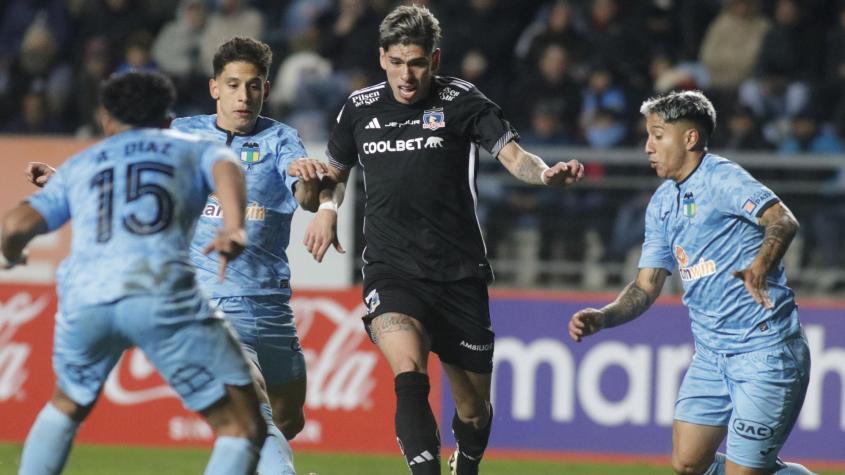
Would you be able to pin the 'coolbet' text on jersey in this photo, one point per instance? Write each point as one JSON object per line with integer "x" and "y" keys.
{"x": 707, "y": 225}
{"x": 420, "y": 162}
{"x": 264, "y": 155}
{"x": 135, "y": 198}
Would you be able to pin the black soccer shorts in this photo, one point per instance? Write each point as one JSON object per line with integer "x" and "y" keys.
{"x": 455, "y": 314}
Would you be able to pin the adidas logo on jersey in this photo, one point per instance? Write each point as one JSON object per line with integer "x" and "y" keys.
{"x": 373, "y": 124}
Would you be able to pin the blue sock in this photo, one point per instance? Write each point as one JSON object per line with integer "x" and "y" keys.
{"x": 276, "y": 455}
{"x": 232, "y": 456}
{"x": 718, "y": 465}
{"x": 48, "y": 443}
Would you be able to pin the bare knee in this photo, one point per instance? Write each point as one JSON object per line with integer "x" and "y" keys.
{"x": 474, "y": 411}
{"x": 69, "y": 407}
{"x": 688, "y": 467}
{"x": 238, "y": 415}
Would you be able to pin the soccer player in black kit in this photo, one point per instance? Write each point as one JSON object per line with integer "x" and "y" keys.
{"x": 417, "y": 137}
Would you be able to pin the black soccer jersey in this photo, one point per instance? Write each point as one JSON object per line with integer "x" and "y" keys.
{"x": 420, "y": 162}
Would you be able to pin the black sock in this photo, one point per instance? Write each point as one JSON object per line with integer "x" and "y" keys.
{"x": 416, "y": 428}
{"x": 471, "y": 441}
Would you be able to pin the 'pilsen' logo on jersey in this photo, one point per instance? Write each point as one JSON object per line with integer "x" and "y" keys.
{"x": 434, "y": 119}
{"x": 448, "y": 94}
{"x": 365, "y": 99}
{"x": 213, "y": 210}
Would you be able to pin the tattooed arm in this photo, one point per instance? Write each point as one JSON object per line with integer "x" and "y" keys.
{"x": 632, "y": 302}
{"x": 532, "y": 169}
{"x": 780, "y": 227}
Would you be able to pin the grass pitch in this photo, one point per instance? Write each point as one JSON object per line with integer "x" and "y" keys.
{"x": 109, "y": 460}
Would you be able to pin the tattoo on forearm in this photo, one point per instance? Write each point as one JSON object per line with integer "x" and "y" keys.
{"x": 776, "y": 240}
{"x": 630, "y": 304}
{"x": 390, "y": 323}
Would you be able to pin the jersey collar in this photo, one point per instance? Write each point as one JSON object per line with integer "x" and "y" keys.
{"x": 697, "y": 167}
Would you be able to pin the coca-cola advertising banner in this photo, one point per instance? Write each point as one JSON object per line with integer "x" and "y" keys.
{"x": 615, "y": 391}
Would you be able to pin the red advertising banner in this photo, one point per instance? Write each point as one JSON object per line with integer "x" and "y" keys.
{"x": 350, "y": 387}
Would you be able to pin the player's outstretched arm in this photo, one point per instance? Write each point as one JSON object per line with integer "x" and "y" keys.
{"x": 231, "y": 192}
{"x": 632, "y": 302}
{"x": 780, "y": 227}
{"x": 20, "y": 225}
{"x": 532, "y": 169}
{"x": 307, "y": 189}
{"x": 38, "y": 173}
{"x": 322, "y": 230}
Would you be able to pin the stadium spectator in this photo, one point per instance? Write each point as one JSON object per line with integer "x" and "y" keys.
{"x": 138, "y": 55}
{"x": 35, "y": 116}
{"x": 727, "y": 234}
{"x": 345, "y": 32}
{"x": 556, "y": 23}
{"x": 732, "y": 44}
{"x": 231, "y": 18}
{"x": 95, "y": 69}
{"x": 176, "y": 49}
{"x": 603, "y": 108}
{"x": 808, "y": 134}
{"x": 614, "y": 38}
{"x": 20, "y": 14}
{"x": 743, "y": 132}
{"x": 425, "y": 252}
{"x": 114, "y": 20}
{"x": 128, "y": 281}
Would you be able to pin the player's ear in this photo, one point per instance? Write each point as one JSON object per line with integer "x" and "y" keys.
{"x": 382, "y": 58}
{"x": 692, "y": 139}
{"x": 213, "y": 89}
{"x": 435, "y": 60}
{"x": 266, "y": 90}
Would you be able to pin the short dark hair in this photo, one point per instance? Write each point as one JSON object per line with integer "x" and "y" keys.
{"x": 138, "y": 98}
{"x": 244, "y": 49}
{"x": 683, "y": 105}
{"x": 410, "y": 24}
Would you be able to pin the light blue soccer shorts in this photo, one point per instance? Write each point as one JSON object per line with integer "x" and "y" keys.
{"x": 267, "y": 332}
{"x": 192, "y": 348}
{"x": 756, "y": 395}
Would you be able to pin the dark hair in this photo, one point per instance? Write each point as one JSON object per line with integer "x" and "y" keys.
{"x": 683, "y": 105}
{"x": 243, "y": 49}
{"x": 410, "y": 24}
{"x": 138, "y": 98}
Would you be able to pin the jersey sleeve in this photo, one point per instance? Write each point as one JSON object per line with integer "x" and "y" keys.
{"x": 484, "y": 122}
{"x": 212, "y": 154}
{"x": 52, "y": 202}
{"x": 656, "y": 251}
{"x": 341, "y": 150}
{"x": 290, "y": 149}
{"x": 740, "y": 194}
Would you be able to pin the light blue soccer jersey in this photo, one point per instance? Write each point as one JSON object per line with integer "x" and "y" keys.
{"x": 264, "y": 156}
{"x": 708, "y": 227}
{"x": 134, "y": 199}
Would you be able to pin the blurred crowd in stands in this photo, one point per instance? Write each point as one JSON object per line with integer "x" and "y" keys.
{"x": 566, "y": 72}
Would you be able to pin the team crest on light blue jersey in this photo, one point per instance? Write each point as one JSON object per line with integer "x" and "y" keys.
{"x": 250, "y": 153}
{"x": 689, "y": 205}
{"x": 434, "y": 119}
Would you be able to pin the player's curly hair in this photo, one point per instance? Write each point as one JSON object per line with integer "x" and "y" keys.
{"x": 244, "y": 49}
{"x": 410, "y": 24}
{"x": 138, "y": 98}
{"x": 683, "y": 105}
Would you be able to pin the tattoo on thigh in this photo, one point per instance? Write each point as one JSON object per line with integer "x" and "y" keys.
{"x": 391, "y": 323}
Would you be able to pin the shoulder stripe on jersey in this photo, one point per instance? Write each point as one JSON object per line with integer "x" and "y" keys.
{"x": 367, "y": 89}
{"x": 465, "y": 85}
{"x": 503, "y": 140}
{"x": 333, "y": 162}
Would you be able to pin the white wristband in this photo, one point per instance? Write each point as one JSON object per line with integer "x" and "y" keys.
{"x": 543, "y": 176}
{"x": 7, "y": 264}
{"x": 328, "y": 205}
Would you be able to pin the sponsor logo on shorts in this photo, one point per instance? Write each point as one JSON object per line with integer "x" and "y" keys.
{"x": 372, "y": 301}
{"x": 752, "y": 430}
{"x": 474, "y": 347}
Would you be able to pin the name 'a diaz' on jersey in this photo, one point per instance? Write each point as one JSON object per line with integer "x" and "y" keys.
{"x": 419, "y": 163}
